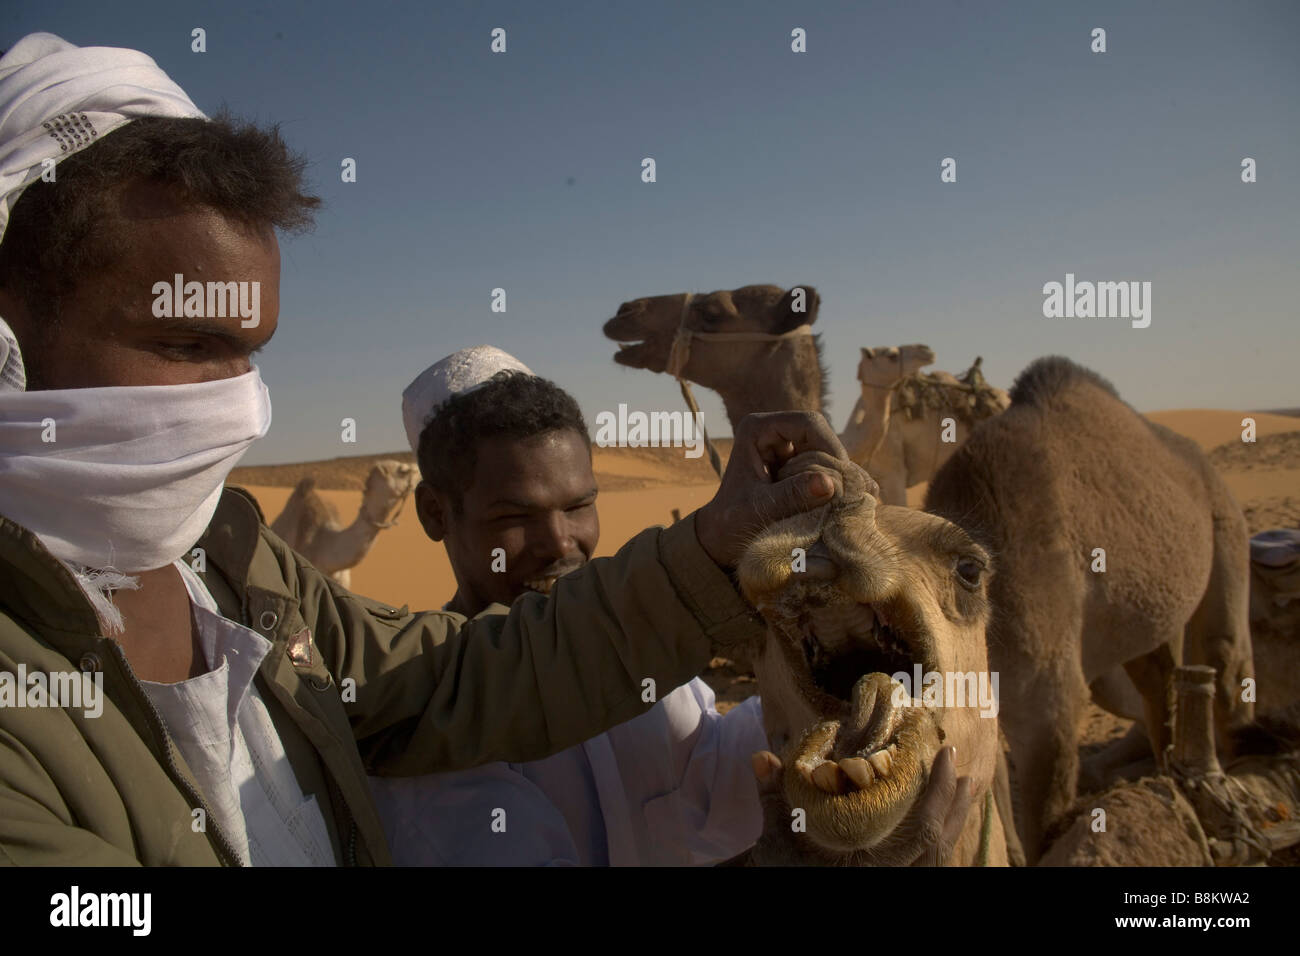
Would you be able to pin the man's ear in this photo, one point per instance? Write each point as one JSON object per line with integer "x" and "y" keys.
{"x": 432, "y": 509}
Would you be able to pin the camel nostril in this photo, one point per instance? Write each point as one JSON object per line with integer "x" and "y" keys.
{"x": 819, "y": 565}
{"x": 821, "y": 569}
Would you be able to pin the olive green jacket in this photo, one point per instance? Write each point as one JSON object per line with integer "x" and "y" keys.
{"x": 353, "y": 686}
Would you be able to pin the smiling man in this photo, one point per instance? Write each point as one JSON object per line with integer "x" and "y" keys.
{"x": 508, "y": 489}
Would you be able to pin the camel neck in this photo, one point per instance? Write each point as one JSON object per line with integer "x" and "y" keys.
{"x": 788, "y": 378}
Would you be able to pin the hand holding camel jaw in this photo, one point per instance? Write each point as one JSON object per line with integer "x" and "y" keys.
{"x": 881, "y": 589}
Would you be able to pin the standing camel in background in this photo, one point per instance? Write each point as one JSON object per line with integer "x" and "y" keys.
{"x": 880, "y": 372}
{"x": 897, "y": 428}
{"x": 311, "y": 525}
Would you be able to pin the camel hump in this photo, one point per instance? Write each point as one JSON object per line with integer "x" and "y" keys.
{"x": 1047, "y": 377}
{"x": 303, "y": 515}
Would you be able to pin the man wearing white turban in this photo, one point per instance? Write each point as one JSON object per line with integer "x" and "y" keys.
{"x": 245, "y": 695}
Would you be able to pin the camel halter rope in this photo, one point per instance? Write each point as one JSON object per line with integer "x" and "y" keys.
{"x": 934, "y": 457}
{"x": 680, "y": 354}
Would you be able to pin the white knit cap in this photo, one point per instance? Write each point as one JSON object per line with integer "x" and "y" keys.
{"x": 57, "y": 99}
{"x": 457, "y": 374}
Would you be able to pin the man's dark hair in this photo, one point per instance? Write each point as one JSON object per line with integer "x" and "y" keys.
{"x": 58, "y": 232}
{"x": 511, "y": 405}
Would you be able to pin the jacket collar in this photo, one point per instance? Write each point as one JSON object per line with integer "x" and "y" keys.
{"x": 36, "y": 588}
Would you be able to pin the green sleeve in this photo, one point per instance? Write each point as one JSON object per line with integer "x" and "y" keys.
{"x": 434, "y": 692}
{"x": 35, "y": 827}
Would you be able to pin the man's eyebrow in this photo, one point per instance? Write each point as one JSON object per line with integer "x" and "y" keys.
{"x": 581, "y": 498}
{"x": 533, "y": 506}
{"x": 217, "y": 328}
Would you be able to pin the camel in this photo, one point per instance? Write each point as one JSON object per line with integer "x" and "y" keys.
{"x": 753, "y": 345}
{"x": 311, "y": 526}
{"x": 1067, "y": 470}
{"x": 1275, "y": 644}
{"x": 880, "y": 371}
{"x": 879, "y": 590}
{"x": 896, "y": 429}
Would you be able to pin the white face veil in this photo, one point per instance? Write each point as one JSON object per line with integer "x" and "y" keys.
{"x": 125, "y": 477}
{"x": 121, "y": 478}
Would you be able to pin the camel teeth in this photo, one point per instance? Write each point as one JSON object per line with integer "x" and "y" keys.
{"x": 882, "y": 762}
{"x": 859, "y": 771}
{"x": 893, "y": 749}
{"x": 829, "y": 777}
{"x": 805, "y": 770}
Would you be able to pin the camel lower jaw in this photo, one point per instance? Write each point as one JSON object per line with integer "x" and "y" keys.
{"x": 857, "y": 778}
{"x": 637, "y": 355}
{"x": 626, "y": 356}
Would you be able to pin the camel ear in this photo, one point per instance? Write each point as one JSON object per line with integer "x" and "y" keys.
{"x": 797, "y": 307}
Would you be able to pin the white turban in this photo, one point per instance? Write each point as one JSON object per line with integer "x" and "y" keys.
{"x": 458, "y": 374}
{"x": 56, "y": 99}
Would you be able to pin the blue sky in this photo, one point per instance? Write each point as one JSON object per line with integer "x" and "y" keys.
{"x": 819, "y": 168}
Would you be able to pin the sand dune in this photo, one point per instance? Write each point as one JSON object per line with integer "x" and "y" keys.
{"x": 1211, "y": 428}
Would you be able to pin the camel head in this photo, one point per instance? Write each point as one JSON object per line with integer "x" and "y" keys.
{"x": 645, "y": 329}
{"x": 885, "y": 367}
{"x": 881, "y": 589}
{"x": 387, "y": 486}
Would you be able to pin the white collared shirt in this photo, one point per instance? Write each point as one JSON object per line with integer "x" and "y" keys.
{"x": 222, "y": 728}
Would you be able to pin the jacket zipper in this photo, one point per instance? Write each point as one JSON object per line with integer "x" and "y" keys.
{"x": 349, "y": 846}
{"x": 225, "y": 848}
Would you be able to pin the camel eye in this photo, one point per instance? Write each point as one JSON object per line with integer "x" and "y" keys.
{"x": 969, "y": 571}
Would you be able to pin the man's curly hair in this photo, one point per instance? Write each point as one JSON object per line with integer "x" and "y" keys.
{"x": 58, "y": 233}
{"x": 511, "y": 405}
